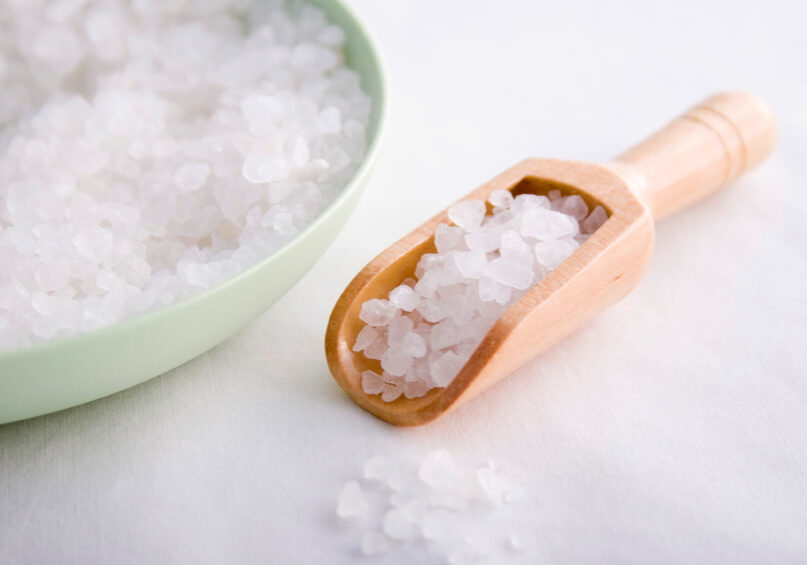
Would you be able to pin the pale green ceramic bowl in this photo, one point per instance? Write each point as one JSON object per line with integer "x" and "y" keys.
{"x": 70, "y": 371}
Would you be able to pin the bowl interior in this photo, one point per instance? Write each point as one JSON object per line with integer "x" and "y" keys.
{"x": 76, "y": 369}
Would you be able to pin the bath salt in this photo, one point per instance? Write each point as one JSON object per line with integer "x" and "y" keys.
{"x": 429, "y": 326}
{"x": 150, "y": 150}
{"x": 438, "y": 506}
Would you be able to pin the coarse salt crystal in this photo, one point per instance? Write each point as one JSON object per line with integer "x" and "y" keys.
{"x": 483, "y": 264}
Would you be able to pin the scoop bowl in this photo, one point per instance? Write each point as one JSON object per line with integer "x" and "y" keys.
{"x": 693, "y": 156}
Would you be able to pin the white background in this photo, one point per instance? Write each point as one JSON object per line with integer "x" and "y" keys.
{"x": 672, "y": 429}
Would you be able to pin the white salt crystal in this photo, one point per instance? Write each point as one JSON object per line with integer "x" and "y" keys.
{"x": 391, "y": 392}
{"x": 376, "y": 349}
{"x": 574, "y": 206}
{"x": 552, "y": 253}
{"x": 445, "y": 368}
{"x": 491, "y": 486}
{"x": 547, "y": 225}
{"x": 467, "y": 214}
{"x": 482, "y": 265}
{"x": 596, "y": 219}
{"x": 501, "y": 198}
{"x": 447, "y": 238}
{"x": 512, "y": 245}
{"x": 378, "y": 468}
{"x": 263, "y": 167}
{"x": 351, "y": 502}
{"x": 377, "y": 312}
{"x": 428, "y": 283}
{"x": 524, "y": 201}
{"x": 329, "y": 120}
{"x": 493, "y": 291}
{"x": 261, "y": 113}
{"x": 414, "y": 344}
{"x": 460, "y": 308}
{"x": 428, "y": 262}
{"x": 404, "y": 297}
{"x": 439, "y": 469}
{"x": 415, "y": 389}
{"x": 436, "y": 503}
{"x": 398, "y": 330}
{"x": 445, "y": 334}
{"x": 94, "y": 244}
{"x": 396, "y": 361}
{"x": 371, "y": 382}
{"x": 484, "y": 240}
{"x": 149, "y": 178}
{"x": 515, "y": 274}
{"x": 191, "y": 176}
{"x": 471, "y": 264}
{"x": 365, "y": 338}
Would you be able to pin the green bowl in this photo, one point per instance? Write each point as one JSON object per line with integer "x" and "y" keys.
{"x": 70, "y": 371}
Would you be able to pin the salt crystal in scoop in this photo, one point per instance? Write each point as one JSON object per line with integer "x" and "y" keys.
{"x": 483, "y": 264}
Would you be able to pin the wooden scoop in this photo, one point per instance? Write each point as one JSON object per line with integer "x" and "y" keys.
{"x": 689, "y": 159}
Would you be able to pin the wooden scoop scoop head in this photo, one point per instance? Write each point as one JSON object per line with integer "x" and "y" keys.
{"x": 690, "y": 158}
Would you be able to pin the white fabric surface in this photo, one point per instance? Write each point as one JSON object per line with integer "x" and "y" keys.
{"x": 672, "y": 429}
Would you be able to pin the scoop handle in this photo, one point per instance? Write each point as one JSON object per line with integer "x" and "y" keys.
{"x": 699, "y": 152}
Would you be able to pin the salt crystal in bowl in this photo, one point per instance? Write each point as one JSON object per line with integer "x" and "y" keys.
{"x": 66, "y": 372}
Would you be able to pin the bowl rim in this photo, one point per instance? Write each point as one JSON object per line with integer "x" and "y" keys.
{"x": 364, "y": 41}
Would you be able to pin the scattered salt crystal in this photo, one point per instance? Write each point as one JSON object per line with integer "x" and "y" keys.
{"x": 490, "y": 485}
{"x": 431, "y": 325}
{"x": 378, "y": 468}
{"x": 351, "y": 502}
{"x": 439, "y": 469}
{"x": 437, "y": 505}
